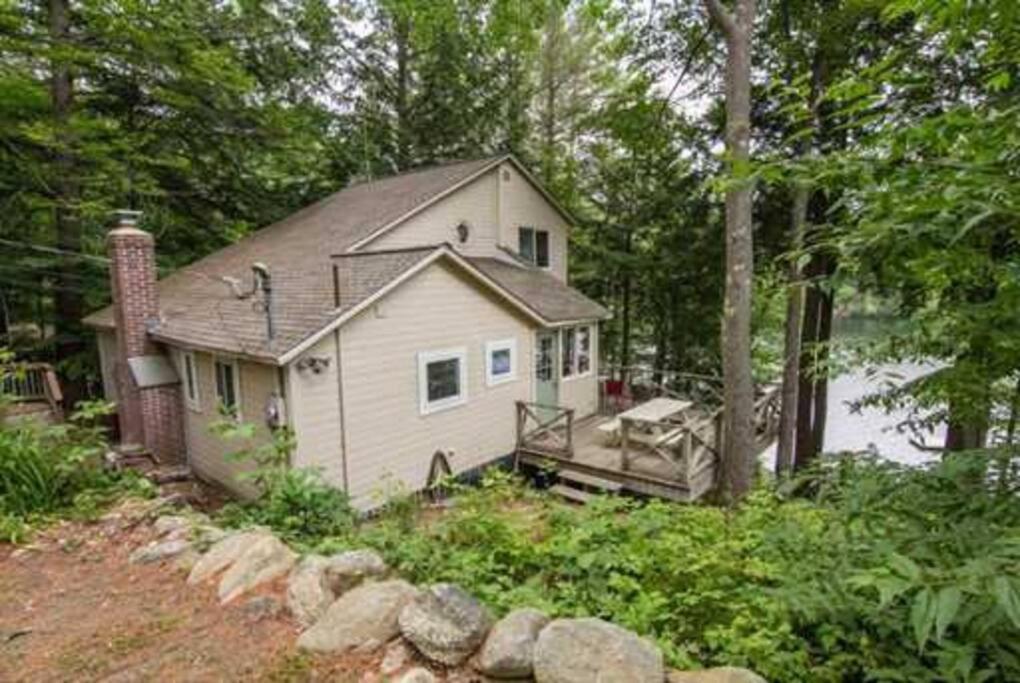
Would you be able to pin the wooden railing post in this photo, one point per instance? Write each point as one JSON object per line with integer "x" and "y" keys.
{"x": 570, "y": 432}
{"x": 624, "y": 443}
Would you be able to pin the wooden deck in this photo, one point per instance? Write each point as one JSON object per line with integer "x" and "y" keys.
{"x": 674, "y": 459}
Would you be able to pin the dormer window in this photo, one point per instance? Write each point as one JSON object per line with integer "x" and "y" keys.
{"x": 533, "y": 246}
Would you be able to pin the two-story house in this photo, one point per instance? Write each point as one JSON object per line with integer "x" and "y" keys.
{"x": 393, "y": 320}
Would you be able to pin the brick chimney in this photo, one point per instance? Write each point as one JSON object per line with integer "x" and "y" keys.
{"x": 149, "y": 414}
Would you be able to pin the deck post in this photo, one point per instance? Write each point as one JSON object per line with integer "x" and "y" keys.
{"x": 520, "y": 423}
{"x": 570, "y": 432}
{"x": 624, "y": 443}
{"x": 688, "y": 453}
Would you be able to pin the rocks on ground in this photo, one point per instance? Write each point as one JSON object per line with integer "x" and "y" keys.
{"x": 346, "y": 570}
{"x": 396, "y": 658}
{"x": 308, "y": 596}
{"x": 584, "y": 650}
{"x": 418, "y": 675}
{"x": 158, "y": 551}
{"x": 364, "y": 614}
{"x": 445, "y": 623}
{"x": 224, "y": 553}
{"x": 510, "y": 648}
{"x": 722, "y": 674}
{"x": 264, "y": 560}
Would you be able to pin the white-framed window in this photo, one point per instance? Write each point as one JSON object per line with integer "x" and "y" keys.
{"x": 189, "y": 378}
{"x": 442, "y": 380}
{"x": 228, "y": 385}
{"x": 500, "y": 361}
{"x": 575, "y": 351}
{"x": 533, "y": 246}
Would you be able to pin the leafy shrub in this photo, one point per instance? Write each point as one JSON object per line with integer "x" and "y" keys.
{"x": 295, "y": 502}
{"x": 48, "y": 469}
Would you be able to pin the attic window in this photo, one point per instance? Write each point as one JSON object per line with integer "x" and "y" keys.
{"x": 533, "y": 246}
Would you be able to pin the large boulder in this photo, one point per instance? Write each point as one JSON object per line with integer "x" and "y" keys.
{"x": 509, "y": 650}
{"x": 365, "y": 614}
{"x": 584, "y": 650}
{"x": 266, "y": 559}
{"x": 445, "y": 624}
{"x": 224, "y": 553}
{"x": 308, "y": 596}
{"x": 722, "y": 674}
{"x": 348, "y": 569}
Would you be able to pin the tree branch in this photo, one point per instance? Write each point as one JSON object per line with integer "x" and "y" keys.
{"x": 721, "y": 16}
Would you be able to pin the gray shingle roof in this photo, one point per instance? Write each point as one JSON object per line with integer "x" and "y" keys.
{"x": 550, "y": 298}
{"x": 199, "y": 310}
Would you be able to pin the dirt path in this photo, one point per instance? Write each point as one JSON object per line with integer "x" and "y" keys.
{"x": 73, "y": 609}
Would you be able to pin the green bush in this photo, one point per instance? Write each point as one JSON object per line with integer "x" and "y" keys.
{"x": 295, "y": 502}
{"x": 884, "y": 573}
{"x": 55, "y": 469}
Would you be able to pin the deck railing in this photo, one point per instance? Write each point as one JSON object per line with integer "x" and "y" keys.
{"x": 33, "y": 382}
{"x": 547, "y": 429}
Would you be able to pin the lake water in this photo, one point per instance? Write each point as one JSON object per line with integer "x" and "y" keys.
{"x": 871, "y": 428}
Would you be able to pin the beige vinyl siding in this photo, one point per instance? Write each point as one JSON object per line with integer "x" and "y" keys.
{"x": 389, "y": 443}
{"x": 206, "y": 451}
{"x": 314, "y": 412}
{"x": 582, "y": 392}
{"x": 474, "y": 204}
{"x": 106, "y": 340}
{"x": 520, "y": 204}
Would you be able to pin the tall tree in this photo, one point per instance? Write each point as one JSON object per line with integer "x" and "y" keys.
{"x": 738, "y": 384}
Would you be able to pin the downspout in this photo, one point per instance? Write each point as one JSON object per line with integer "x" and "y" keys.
{"x": 340, "y": 383}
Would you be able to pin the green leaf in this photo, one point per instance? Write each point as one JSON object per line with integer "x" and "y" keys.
{"x": 905, "y": 567}
{"x": 1007, "y": 599}
{"x": 947, "y": 604}
{"x": 922, "y": 616}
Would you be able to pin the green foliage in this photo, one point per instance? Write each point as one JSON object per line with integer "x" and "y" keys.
{"x": 48, "y": 470}
{"x": 886, "y": 573}
{"x": 294, "y": 502}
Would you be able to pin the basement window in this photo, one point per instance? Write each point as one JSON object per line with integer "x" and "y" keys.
{"x": 533, "y": 246}
{"x": 500, "y": 361}
{"x": 442, "y": 380}
{"x": 228, "y": 387}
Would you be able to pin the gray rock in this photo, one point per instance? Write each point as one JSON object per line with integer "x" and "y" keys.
{"x": 585, "y": 650}
{"x": 176, "y": 525}
{"x": 445, "y": 624}
{"x": 266, "y": 559}
{"x": 395, "y": 659}
{"x": 722, "y": 674}
{"x": 418, "y": 675}
{"x": 368, "y": 612}
{"x": 223, "y": 554}
{"x": 159, "y": 551}
{"x": 261, "y": 607}
{"x": 348, "y": 569}
{"x": 308, "y": 596}
{"x": 510, "y": 648}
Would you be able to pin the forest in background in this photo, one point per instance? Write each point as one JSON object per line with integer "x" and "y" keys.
{"x": 883, "y": 140}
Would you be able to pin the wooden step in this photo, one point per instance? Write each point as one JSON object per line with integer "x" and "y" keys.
{"x": 590, "y": 480}
{"x": 570, "y": 493}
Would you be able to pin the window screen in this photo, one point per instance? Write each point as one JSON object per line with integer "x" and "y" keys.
{"x": 443, "y": 379}
{"x": 542, "y": 248}
{"x": 526, "y": 244}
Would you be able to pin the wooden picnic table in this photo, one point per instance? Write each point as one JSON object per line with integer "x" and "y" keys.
{"x": 655, "y": 410}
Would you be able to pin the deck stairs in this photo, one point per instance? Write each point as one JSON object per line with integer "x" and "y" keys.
{"x": 579, "y": 487}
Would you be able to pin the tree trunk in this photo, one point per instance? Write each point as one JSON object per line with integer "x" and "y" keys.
{"x": 738, "y": 386}
{"x": 794, "y": 315}
{"x": 821, "y": 392}
{"x": 804, "y": 438}
{"x": 68, "y": 299}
